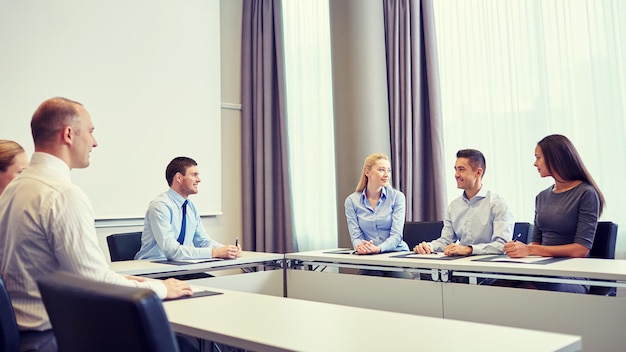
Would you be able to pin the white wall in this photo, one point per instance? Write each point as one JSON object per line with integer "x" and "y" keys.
{"x": 148, "y": 75}
{"x": 223, "y": 228}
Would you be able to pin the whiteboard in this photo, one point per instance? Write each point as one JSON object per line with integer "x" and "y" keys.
{"x": 148, "y": 72}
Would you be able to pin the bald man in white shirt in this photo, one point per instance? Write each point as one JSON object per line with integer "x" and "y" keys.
{"x": 47, "y": 222}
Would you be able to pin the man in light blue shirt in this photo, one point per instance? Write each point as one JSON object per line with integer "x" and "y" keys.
{"x": 173, "y": 229}
{"x": 477, "y": 222}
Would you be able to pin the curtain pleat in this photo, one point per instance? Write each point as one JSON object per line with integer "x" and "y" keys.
{"x": 267, "y": 212}
{"x": 414, "y": 108}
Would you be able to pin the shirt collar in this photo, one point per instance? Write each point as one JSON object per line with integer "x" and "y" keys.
{"x": 177, "y": 198}
{"x": 52, "y": 163}
{"x": 364, "y": 196}
{"x": 482, "y": 193}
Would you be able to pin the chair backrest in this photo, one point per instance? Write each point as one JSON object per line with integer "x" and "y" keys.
{"x": 9, "y": 332}
{"x": 88, "y": 315}
{"x": 421, "y": 231}
{"x": 525, "y": 229}
{"x": 604, "y": 247}
{"x": 604, "y": 240}
{"x": 124, "y": 246}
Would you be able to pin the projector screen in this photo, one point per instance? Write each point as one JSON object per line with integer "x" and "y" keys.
{"x": 148, "y": 72}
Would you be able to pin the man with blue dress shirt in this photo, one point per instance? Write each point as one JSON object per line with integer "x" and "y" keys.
{"x": 173, "y": 229}
{"x": 477, "y": 222}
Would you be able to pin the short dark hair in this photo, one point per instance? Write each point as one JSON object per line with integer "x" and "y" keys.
{"x": 476, "y": 158}
{"x": 178, "y": 164}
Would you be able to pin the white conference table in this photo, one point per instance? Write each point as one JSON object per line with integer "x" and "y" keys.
{"x": 251, "y": 272}
{"x": 266, "y": 323}
{"x": 601, "y": 271}
{"x": 598, "y": 319}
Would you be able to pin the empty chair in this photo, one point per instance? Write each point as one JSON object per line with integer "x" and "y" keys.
{"x": 421, "y": 231}
{"x": 89, "y": 315}
{"x": 525, "y": 230}
{"x": 124, "y": 246}
{"x": 604, "y": 247}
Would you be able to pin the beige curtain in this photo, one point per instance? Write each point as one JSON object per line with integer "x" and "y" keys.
{"x": 415, "y": 108}
{"x": 267, "y": 211}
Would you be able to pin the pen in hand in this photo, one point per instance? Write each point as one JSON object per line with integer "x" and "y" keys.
{"x": 236, "y": 241}
{"x": 519, "y": 235}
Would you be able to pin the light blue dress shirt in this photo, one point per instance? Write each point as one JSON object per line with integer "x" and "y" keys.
{"x": 162, "y": 227}
{"x": 483, "y": 222}
{"x": 384, "y": 225}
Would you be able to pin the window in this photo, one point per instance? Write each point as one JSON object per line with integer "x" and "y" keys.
{"x": 310, "y": 122}
{"x": 513, "y": 72}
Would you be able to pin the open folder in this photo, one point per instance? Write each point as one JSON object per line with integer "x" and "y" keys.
{"x": 434, "y": 255}
{"x": 503, "y": 258}
{"x": 196, "y": 294}
{"x": 187, "y": 261}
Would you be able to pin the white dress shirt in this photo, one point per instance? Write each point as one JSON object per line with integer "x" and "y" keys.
{"x": 46, "y": 225}
{"x": 483, "y": 222}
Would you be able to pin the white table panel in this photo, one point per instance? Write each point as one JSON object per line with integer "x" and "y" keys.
{"x": 390, "y": 294}
{"x": 599, "y": 320}
{"x": 269, "y": 282}
{"x": 267, "y": 323}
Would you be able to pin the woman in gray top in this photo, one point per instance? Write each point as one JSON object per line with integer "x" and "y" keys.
{"x": 566, "y": 213}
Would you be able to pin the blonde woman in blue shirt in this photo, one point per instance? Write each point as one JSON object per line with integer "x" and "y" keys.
{"x": 375, "y": 211}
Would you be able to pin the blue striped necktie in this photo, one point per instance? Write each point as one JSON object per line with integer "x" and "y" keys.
{"x": 181, "y": 236}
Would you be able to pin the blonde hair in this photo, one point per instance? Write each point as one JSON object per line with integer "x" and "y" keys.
{"x": 8, "y": 151}
{"x": 367, "y": 165}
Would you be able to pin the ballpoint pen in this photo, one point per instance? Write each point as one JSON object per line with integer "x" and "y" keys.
{"x": 519, "y": 235}
{"x": 236, "y": 241}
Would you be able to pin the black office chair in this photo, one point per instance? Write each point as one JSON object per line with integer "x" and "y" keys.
{"x": 124, "y": 246}
{"x": 9, "y": 333}
{"x": 421, "y": 231}
{"x": 604, "y": 247}
{"x": 10, "y": 339}
{"x": 525, "y": 229}
{"x": 88, "y": 315}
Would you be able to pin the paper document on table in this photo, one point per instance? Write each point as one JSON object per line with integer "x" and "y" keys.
{"x": 187, "y": 261}
{"x": 503, "y": 258}
{"x": 427, "y": 256}
{"x": 434, "y": 255}
{"x": 530, "y": 259}
{"x": 195, "y": 261}
{"x": 341, "y": 251}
